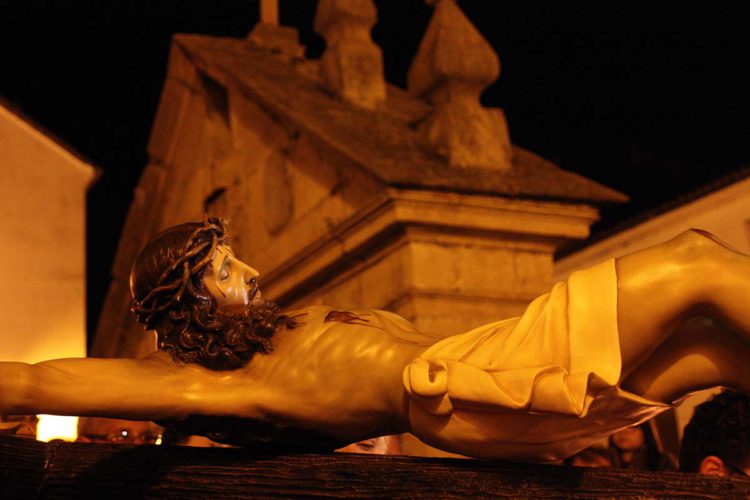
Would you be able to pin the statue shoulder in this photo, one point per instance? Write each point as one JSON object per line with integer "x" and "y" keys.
{"x": 317, "y": 315}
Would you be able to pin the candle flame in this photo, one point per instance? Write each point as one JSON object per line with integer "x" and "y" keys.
{"x": 56, "y": 427}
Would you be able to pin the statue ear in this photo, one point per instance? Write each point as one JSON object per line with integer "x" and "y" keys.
{"x": 713, "y": 466}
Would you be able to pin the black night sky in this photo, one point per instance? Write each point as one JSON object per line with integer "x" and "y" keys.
{"x": 649, "y": 99}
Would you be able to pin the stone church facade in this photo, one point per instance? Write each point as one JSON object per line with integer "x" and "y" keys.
{"x": 346, "y": 190}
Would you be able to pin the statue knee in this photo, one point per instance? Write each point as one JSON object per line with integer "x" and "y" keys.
{"x": 696, "y": 247}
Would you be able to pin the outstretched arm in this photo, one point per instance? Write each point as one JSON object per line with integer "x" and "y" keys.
{"x": 151, "y": 388}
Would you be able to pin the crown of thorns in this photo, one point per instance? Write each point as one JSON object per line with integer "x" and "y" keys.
{"x": 171, "y": 285}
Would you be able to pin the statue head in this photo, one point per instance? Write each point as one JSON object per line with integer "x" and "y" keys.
{"x": 203, "y": 302}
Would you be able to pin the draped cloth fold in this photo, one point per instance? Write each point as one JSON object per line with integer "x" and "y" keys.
{"x": 540, "y": 386}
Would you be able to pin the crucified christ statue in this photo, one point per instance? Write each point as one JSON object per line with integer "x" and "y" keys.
{"x": 610, "y": 348}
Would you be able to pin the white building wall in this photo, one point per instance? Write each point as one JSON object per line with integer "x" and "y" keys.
{"x": 42, "y": 245}
{"x": 725, "y": 213}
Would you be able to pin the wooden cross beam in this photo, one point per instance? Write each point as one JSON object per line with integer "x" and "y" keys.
{"x": 30, "y": 468}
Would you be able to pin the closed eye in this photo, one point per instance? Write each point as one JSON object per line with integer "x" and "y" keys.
{"x": 224, "y": 270}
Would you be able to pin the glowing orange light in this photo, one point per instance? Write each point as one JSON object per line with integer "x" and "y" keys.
{"x": 56, "y": 427}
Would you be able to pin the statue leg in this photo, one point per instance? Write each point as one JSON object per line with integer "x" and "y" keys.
{"x": 659, "y": 290}
{"x": 700, "y": 354}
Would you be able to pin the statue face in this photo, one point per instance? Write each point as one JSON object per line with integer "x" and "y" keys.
{"x": 230, "y": 281}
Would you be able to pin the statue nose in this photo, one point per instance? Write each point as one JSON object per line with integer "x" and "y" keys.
{"x": 247, "y": 271}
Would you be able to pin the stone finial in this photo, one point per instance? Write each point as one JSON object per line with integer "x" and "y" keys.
{"x": 282, "y": 40}
{"x": 452, "y": 67}
{"x": 269, "y": 12}
{"x": 352, "y": 65}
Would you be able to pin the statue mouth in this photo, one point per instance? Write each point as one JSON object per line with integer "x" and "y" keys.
{"x": 254, "y": 290}
{"x": 254, "y": 294}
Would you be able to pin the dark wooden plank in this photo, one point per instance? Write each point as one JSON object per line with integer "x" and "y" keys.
{"x": 22, "y": 466}
{"x": 120, "y": 471}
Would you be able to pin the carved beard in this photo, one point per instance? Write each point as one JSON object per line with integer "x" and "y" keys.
{"x": 222, "y": 340}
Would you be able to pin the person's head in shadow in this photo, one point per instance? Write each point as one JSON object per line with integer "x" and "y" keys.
{"x": 592, "y": 457}
{"x": 383, "y": 445}
{"x": 716, "y": 441}
{"x": 636, "y": 448}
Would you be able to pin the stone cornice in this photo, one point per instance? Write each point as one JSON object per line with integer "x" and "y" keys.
{"x": 545, "y": 224}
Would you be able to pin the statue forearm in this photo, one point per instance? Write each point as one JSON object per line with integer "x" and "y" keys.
{"x": 139, "y": 389}
{"x": 16, "y": 386}
{"x": 78, "y": 387}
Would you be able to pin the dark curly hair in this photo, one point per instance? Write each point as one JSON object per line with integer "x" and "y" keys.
{"x": 166, "y": 283}
{"x": 719, "y": 427}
